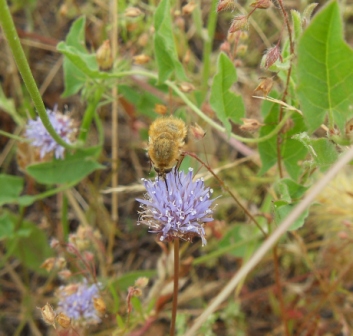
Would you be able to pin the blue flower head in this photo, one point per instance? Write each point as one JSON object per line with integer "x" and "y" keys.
{"x": 176, "y": 207}
{"x": 39, "y": 136}
{"x": 77, "y": 302}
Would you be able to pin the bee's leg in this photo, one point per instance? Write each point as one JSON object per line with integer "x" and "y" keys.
{"x": 166, "y": 184}
{"x": 177, "y": 167}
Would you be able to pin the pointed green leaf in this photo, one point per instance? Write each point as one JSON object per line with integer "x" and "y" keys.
{"x": 325, "y": 72}
{"x": 289, "y": 190}
{"x": 73, "y": 168}
{"x": 283, "y": 210}
{"x": 226, "y": 104}
{"x": 164, "y": 45}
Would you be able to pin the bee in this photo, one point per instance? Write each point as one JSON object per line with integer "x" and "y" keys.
{"x": 167, "y": 137}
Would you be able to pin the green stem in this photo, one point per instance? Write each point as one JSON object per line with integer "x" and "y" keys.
{"x": 192, "y": 106}
{"x": 64, "y": 217}
{"x": 89, "y": 113}
{"x": 207, "y": 49}
{"x": 100, "y": 129}
{"x": 220, "y": 251}
{"x": 10, "y": 32}
{"x": 14, "y": 137}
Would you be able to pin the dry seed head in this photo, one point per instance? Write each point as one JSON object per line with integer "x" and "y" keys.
{"x": 160, "y": 109}
{"x": 189, "y": 8}
{"x": 186, "y": 58}
{"x": 48, "y": 264}
{"x": 99, "y": 305}
{"x": 143, "y": 39}
{"x": 141, "y": 59}
{"x": 65, "y": 274}
{"x": 48, "y": 314}
{"x": 104, "y": 56}
{"x": 225, "y": 5}
{"x": 197, "y": 132}
{"x": 241, "y": 50}
{"x": 250, "y": 125}
{"x": 186, "y": 87}
{"x": 63, "y": 320}
{"x": 141, "y": 282}
{"x": 239, "y": 22}
{"x": 265, "y": 86}
{"x": 132, "y": 12}
{"x": 261, "y": 4}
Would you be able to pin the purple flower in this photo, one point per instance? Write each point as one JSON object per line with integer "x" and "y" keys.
{"x": 176, "y": 207}
{"x": 39, "y": 136}
{"x": 77, "y": 302}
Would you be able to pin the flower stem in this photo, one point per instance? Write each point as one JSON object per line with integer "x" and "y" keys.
{"x": 176, "y": 286}
{"x": 10, "y": 32}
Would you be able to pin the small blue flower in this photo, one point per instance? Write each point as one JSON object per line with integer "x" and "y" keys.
{"x": 39, "y": 136}
{"x": 77, "y": 302}
{"x": 176, "y": 207}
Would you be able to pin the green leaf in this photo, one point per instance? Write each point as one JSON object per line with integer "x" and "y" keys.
{"x": 289, "y": 190}
{"x": 6, "y": 226}
{"x": 11, "y": 187}
{"x": 164, "y": 45}
{"x": 297, "y": 23}
{"x": 226, "y": 104}
{"x": 283, "y": 210}
{"x": 73, "y": 168}
{"x": 79, "y": 65}
{"x": 325, "y": 72}
{"x": 291, "y": 150}
{"x": 31, "y": 248}
{"x": 323, "y": 151}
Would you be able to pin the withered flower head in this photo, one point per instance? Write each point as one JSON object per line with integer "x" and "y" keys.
{"x": 250, "y": 125}
{"x": 197, "y": 131}
{"x": 225, "y": 5}
{"x": 186, "y": 87}
{"x": 132, "y": 12}
{"x": 189, "y": 8}
{"x": 141, "y": 59}
{"x": 265, "y": 86}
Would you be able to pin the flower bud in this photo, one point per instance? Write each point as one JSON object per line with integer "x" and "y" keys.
{"x": 141, "y": 59}
{"x": 261, "y": 4}
{"x": 160, "y": 109}
{"x": 250, "y": 125}
{"x": 132, "y": 12}
{"x": 104, "y": 56}
{"x": 240, "y": 22}
{"x": 189, "y": 8}
{"x": 186, "y": 87}
{"x": 197, "y": 131}
{"x": 63, "y": 320}
{"x": 48, "y": 314}
{"x": 241, "y": 50}
{"x": 272, "y": 55}
{"x": 265, "y": 86}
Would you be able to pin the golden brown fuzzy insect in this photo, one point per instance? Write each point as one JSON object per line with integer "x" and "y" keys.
{"x": 166, "y": 139}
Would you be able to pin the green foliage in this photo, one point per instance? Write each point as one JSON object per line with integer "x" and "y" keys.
{"x": 164, "y": 45}
{"x": 226, "y": 104}
{"x": 291, "y": 150}
{"x": 73, "y": 168}
{"x": 325, "y": 73}
{"x": 11, "y": 187}
{"x": 323, "y": 152}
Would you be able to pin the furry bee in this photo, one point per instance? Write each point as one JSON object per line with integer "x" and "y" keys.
{"x": 167, "y": 137}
